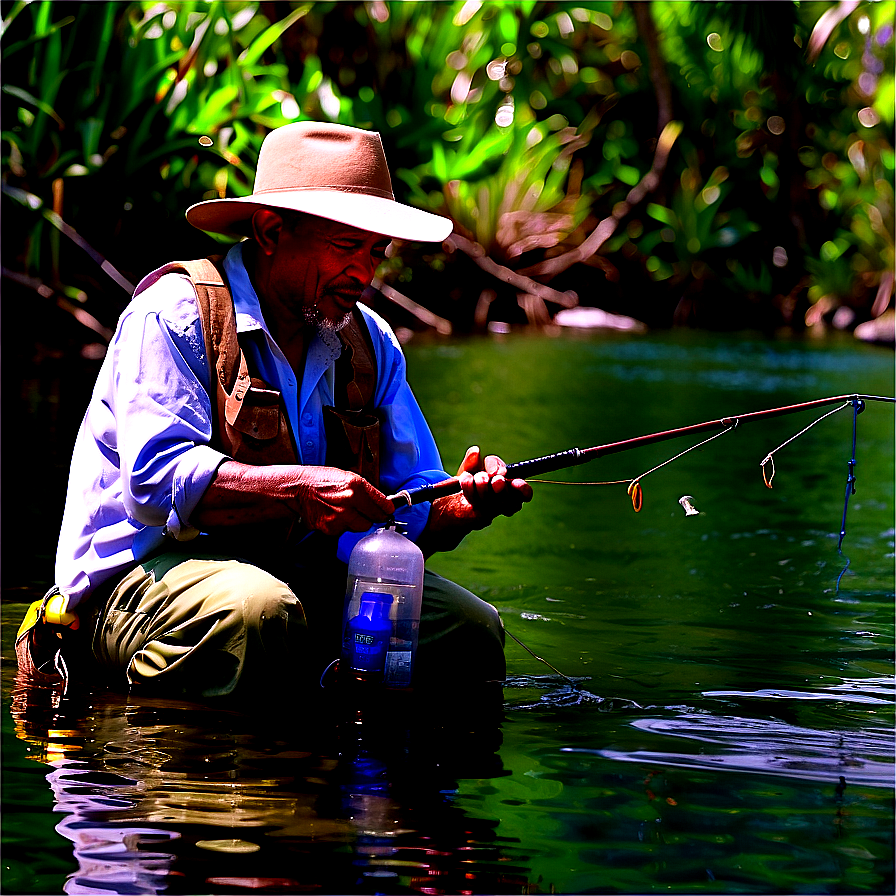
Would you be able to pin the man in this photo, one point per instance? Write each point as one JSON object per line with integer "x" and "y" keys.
{"x": 216, "y": 487}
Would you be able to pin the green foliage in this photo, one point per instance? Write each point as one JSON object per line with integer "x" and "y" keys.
{"x": 527, "y": 123}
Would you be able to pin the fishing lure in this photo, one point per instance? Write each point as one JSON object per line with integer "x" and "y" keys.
{"x": 689, "y": 509}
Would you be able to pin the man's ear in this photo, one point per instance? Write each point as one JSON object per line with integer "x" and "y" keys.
{"x": 266, "y": 227}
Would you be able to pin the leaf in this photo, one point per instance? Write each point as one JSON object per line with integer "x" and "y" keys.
{"x": 491, "y": 146}
{"x": 64, "y": 160}
{"x": 825, "y": 26}
{"x": 627, "y": 174}
{"x": 210, "y": 118}
{"x": 507, "y": 25}
{"x": 662, "y": 214}
{"x": 19, "y": 6}
{"x": 439, "y": 163}
{"x": 145, "y": 83}
{"x": 91, "y": 130}
{"x": 885, "y": 99}
{"x": 253, "y": 53}
{"x": 102, "y": 47}
{"x": 34, "y": 101}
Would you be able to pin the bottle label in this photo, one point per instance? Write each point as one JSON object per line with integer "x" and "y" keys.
{"x": 398, "y": 668}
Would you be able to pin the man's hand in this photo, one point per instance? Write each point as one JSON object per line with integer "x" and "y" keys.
{"x": 486, "y": 489}
{"x": 335, "y": 501}
{"x": 485, "y": 494}
{"x": 325, "y": 498}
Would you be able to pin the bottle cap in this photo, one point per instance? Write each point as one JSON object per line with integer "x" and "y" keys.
{"x": 400, "y": 526}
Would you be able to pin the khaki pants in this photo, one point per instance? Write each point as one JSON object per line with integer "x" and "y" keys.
{"x": 206, "y": 624}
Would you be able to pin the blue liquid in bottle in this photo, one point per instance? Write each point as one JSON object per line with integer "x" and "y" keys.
{"x": 367, "y": 635}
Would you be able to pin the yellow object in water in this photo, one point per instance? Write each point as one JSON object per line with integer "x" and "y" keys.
{"x": 53, "y": 610}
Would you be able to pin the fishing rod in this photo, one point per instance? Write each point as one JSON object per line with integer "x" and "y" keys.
{"x": 576, "y": 456}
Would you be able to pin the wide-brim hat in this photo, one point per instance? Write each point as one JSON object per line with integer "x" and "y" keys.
{"x": 328, "y": 170}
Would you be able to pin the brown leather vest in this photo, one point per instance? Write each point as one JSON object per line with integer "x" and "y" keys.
{"x": 251, "y": 424}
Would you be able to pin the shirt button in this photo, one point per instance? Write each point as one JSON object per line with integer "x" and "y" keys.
{"x": 309, "y": 444}
{"x": 306, "y": 418}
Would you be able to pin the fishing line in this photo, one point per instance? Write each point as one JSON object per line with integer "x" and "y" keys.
{"x": 634, "y": 485}
{"x": 858, "y": 406}
{"x": 567, "y": 482}
{"x": 541, "y": 659}
{"x": 635, "y": 488}
{"x": 768, "y": 457}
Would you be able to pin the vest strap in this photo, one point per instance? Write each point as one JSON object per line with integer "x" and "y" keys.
{"x": 251, "y": 424}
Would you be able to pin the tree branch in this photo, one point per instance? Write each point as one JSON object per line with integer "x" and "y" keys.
{"x": 422, "y": 314}
{"x": 607, "y": 227}
{"x": 567, "y": 299}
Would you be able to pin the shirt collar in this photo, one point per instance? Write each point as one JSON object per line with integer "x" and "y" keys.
{"x": 245, "y": 300}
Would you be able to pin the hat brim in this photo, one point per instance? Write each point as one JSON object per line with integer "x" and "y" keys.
{"x": 374, "y": 214}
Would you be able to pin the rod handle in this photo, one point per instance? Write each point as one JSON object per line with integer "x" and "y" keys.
{"x": 407, "y": 497}
{"x": 547, "y": 464}
{"x": 521, "y": 470}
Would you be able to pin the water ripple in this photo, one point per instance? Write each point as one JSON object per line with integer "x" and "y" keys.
{"x": 766, "y": 746}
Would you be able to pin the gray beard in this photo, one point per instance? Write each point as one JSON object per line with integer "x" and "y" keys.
{"x": 324, "y": 325}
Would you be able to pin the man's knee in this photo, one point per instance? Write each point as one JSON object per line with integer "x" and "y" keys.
{"x": 261, "y": 600}
{"x": 201, "y": 626}
{"x": 461, "y": 635}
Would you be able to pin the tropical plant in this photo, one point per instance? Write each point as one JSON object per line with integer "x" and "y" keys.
{"x": 733, "y": 160}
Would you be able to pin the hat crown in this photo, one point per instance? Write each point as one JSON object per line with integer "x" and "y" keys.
{"x": 310, "y": 155}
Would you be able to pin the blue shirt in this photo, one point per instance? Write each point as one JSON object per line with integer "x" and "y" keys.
{"x": 142, "y": 461}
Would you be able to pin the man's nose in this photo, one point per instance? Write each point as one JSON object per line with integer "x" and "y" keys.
{"x": 363, "y": 267}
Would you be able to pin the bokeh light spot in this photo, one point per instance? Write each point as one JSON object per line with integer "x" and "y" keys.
{"x": 868, "y": 117}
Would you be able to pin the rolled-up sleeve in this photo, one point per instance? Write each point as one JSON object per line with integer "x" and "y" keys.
{"x": 163, "y": 423}
{"x": 142, "y": 459}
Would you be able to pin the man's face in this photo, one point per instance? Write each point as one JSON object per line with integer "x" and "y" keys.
{"x": 320, "y": 268}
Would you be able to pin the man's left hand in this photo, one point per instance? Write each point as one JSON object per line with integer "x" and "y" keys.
{"x": 486, "y": 489}
{"x": 486, "y": 493}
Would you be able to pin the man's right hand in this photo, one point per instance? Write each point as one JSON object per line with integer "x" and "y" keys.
{"x": 334, "y": 501}
{"x": 325, "y": 498}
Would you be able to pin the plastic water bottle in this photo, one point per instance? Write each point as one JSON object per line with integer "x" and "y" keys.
{"x": 386, "y": 563}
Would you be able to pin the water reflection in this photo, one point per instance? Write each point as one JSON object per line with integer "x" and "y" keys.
{"x": 766, "y": 746}
{"x": 354, "y": 796}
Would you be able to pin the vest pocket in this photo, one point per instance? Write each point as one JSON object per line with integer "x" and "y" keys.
{"x": 353, "y": 442}
{"x": 254, "y": 412}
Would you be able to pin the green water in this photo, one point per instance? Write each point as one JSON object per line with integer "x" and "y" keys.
{"x": 718, "y": 719}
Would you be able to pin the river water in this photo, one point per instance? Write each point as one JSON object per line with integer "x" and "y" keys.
{"x": 713, "y": 710}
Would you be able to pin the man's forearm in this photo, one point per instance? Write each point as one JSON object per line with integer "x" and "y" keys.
{"x": 241, "y": 494}
{"x": 324, "y": 498}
